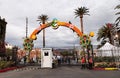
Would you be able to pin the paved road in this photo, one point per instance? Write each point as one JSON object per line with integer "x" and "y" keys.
{"x": 61, "y": 72}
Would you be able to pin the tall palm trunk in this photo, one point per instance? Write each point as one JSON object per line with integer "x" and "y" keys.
{"x": 81, "y": 22}
{"x": 43, "y": 36}
{"x": 111, "y": 39}
{"x": 43, "y": 18}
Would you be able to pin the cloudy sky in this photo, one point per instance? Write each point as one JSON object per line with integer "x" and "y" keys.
{"x": 16, "y": 11}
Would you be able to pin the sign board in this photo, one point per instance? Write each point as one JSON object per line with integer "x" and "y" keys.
{"x": 46, "y": 57}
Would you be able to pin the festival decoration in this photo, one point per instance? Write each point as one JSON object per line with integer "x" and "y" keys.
{"x": 28, "y": 44}
{"x": 34, "y": 37}
{"x": 91, "y": 34}
{"x": 85, "y": 40}
{"x": 54, "y": 24}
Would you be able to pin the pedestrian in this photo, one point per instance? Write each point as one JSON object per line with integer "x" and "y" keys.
{"x": 68, "y": 60}
{"x": 90, "y": 63}
{"x": 8, "y": 58}
{"x": 59, "y": 60}
{"x": 83, "y": 63}
{"x": 25, "y": 58}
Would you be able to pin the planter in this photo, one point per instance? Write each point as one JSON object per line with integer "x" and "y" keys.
{"x": 98, "y": 68}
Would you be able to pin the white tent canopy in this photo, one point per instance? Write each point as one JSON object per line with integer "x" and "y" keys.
{"x": 108, "y": 50}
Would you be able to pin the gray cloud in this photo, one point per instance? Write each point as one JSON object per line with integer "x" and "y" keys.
{"x": 15, "y": 12}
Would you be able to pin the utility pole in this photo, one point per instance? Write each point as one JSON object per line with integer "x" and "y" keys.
{"x": 26, "y": 27}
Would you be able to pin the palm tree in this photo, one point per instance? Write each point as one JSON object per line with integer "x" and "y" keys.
{"x": 79, "y": 12}
{"x": 118, "y": 13}
{"x": 43, "y": 18}
{"x": 106, "y": 32}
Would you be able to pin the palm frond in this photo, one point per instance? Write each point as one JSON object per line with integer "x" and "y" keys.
{"x": 117, "y": 20}
{"x": 117, "y": 13}
{"x": 42, "y": 18}
{"x": 117, "y": 7}
{"x": 81, "y": 11}
{"x": 104, "y": 32}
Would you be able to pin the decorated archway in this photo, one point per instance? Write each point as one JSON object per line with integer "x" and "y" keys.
{"x": 28, "y": 42}
{"x": 55, "y": 24}
{"x": 84, "y": 39}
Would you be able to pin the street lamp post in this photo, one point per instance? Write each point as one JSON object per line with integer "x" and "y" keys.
{"x": 92, "y": 53}
{"x": 117, "y": 51}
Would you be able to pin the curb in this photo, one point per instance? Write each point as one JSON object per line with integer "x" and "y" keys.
{"x": 111, "y": 69}
{"x": 29, "y": 68}
{"x": 98, "y": 68}
{"x": 19, "y": 69}
{"x": 106, "y": 69}
{"x": 9, "y": 69}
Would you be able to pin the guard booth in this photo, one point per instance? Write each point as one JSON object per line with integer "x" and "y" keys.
{"x": 46, "y": 57}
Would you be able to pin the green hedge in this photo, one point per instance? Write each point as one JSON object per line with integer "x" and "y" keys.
{"x": 104, "y": 59}
{"x": 5, "y": 64}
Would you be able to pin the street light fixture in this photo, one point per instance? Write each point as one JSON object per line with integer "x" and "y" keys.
{"x": 116, "y": 36}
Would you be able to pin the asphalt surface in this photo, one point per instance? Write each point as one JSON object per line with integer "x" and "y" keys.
{"x": 59, "y": 72}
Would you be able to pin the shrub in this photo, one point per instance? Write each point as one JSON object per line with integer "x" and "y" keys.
{"x": 5, "y": 64}
{"x": 104, "y": 59}
{"x": 104, "y": 65}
